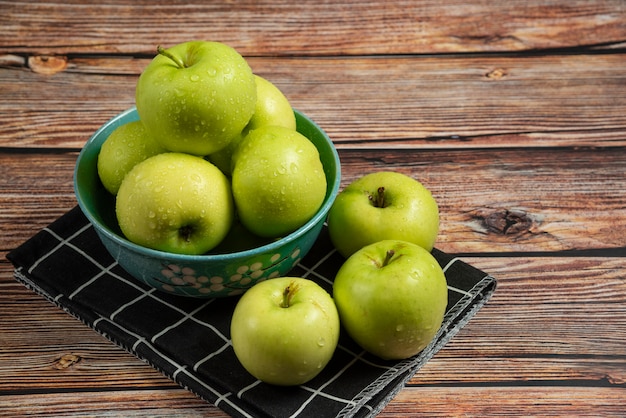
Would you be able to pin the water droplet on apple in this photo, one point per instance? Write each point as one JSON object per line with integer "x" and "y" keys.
{"x": 399, "y": 327}
{"x": 211, "y": 71}
{"x": 151, "y": 214}
{"x": 321, "y": 342}
{"x": 194, "y": 77}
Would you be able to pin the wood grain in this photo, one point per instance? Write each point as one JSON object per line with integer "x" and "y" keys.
{"x": 512, "y": 113}
{"x": 503, "y": 200}
{"x": 498, "y": 401}
{"x": 581, "y": 338}
{"x": 311, "y": 28}
{"x": 426, "y": 102}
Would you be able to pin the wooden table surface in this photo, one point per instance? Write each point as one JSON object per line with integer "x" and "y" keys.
{"x": 512, "y": 113}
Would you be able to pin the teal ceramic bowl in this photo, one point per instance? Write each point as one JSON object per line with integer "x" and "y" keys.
{"x": 202, "y": 276}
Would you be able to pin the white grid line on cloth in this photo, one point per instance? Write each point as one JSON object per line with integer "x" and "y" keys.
{"x": 178, "y": 370}
{"x": 102, "y": 272}
{"x": 450, "y": 263}
{"x": 221, "y": 398}
{"x": 130, "y": 303}
{"x": 319, "y": 392}
{"x": 62, "y": 242}
{"x": 338, "y": 399}
{"x": 246, "y": 388}
{"x": 185, "y": 317}
{"x": 452, "y": 288}
{"x": 211, "y": 355}
{"x": 461, "y": 291}
{"x": 369, "y": 363}
{"x": 177, "y": 366}
{"x": 67, "y": 242}
{"x": 313, "y": 271}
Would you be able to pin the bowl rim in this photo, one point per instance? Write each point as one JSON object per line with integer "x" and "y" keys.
{"x": 221, "y": 257}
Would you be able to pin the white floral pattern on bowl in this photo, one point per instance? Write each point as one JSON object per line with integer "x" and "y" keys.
{"x": 175, "y": 278}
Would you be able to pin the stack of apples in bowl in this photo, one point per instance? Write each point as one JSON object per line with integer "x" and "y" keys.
{"x": 213, "y": 184}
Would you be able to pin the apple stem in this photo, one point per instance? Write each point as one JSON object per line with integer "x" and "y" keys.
{"x": 166, "y": 53}
{"x": 388, "y": 256}
{"x": 288, "y": 295}
{"x": 378, "y": 200}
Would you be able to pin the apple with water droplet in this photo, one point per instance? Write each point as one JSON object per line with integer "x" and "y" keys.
{"x": 284, "y": 331}
{"x": 128, "y": 145}
{"x": 391, "y": 297}
{"x": 196, "y": 96}
{"x": 278, "y": 181}
{"x": 175, "y": 202}
{"x": 272, "y": 108}
{"x": 383, "y": 205}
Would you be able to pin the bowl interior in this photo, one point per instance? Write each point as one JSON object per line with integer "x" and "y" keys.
{"x": 99, "y": 205}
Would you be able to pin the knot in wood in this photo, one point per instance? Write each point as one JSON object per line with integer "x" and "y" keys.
{"x": 66, "y": 360}
{"x": 48, "y": 65}
{"x": 496, "y": 74}
{"x": 508, "y": 222}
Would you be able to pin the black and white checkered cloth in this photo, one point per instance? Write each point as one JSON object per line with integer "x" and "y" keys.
{"x": 188, "y": 339}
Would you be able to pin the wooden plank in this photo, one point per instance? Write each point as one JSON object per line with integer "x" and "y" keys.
{"x": 120, "y": 403}
{"x": 490, "y": 200}
{"x": 499, "y": 401}
{"x": 445, "y": 402}
{"x": 311, "y": 28}
{"x": 424, "y": 102}
{"x": 552, "y": 319}
{"x": 514, "y": 199}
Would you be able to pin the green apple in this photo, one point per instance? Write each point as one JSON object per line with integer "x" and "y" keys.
{"x": 272, "y": 108}
{"x": 278, "y": 181}
{"x": 175, "y": 202}
{"x": 391, "y": 297}
{"x": 195, "y": 97}
{"x": 285, "y": 330}
{"x": 128, "y": 145}
{"x": 383, "y": 205}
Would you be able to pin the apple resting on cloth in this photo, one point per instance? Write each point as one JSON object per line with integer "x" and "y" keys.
{"x": 272, "y": 108}
{"x": 278, "y": 181}
{"x": 195, "y": 97}
{"x": 175, "y": 202}
{"x": 285, "y": 330}
{"x": 128, "y": 145}
{"x": 391, "y": 297}
{"x": 383, "y": 205}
